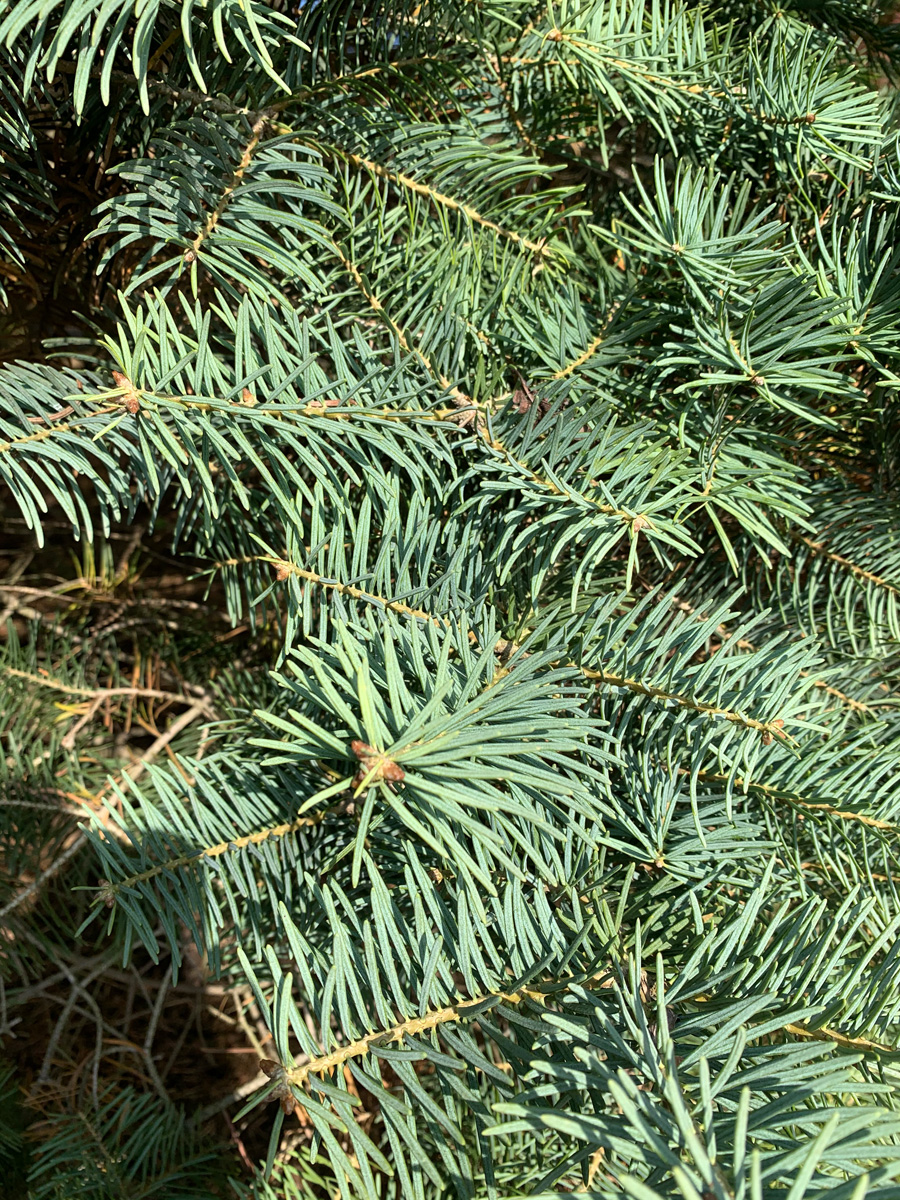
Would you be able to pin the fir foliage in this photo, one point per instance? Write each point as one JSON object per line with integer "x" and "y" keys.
{"x": 522, "y": 381}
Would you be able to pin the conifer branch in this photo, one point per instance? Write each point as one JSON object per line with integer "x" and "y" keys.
{"x": 518, "y": 124}
{"x": 599, "y": 677}
{"x": 818, "y": 548}
{"x": 256, "y": 132}
{"x": 745, "y": 644}
{"x": 591, "y": 349}
{"x": 855, "y": 705}
{"x": 281, "y": 830}
{"x": 101, "y": 693}
{"x": 798, "y": 801}
{"x": 331, "y": 410}
{"x": 639, "y": 688}
{"x": 643, "y": 76}
{"x": 32, "y": 889}
{"x": 413, "y": 1027}
{"x": 440, "y": 199}
{"x": 54, "y": 430}
{"x": 285, "y": 568}
{"x": 826, "y": 1034}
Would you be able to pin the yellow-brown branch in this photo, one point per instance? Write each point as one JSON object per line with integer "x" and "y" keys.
{"x": 238, "y": 843}
{"x": 830, "y": 810}
{"x": 825, "y": 1034}
{"x": 41, "y": 435}
{"x": 639, "y": 688}
{"x": 445, "y": 201}
{"x": 591, "y": 349}
{"x": 854, "y": 569}
{"x": 256, "y": 132}
{"x": 600, "y": 677}
{"x": 396, "y": 1033}
{"x": 102, "y": 693}
{"x": 632, "y": 67}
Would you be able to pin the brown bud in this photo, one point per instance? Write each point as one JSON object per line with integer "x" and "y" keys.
{"x": 189, "y": 256}
{"x": 653, "y": 868}
{"x": 248, "y": 398}
{"x": 282, "y": 1092}
{"x": 469, "y": 417}
{"x": 375, "y": 764}
{"x": 129, "y": 400}
{"x": 773, "y": 731}
{"x": 555, "y": 35}
{"x": 283, "y": 572}
{"x": 647, "y": 989}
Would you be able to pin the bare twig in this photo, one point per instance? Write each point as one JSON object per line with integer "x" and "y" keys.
{"x": 36, "y": 884}
{"x": 104, "y": 816}
{"x": 155, "y": 1014}
{"x": 246, "y": 1089}
{"x": 15, "y": 574}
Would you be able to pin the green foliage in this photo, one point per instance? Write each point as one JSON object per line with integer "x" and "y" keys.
{"x": 520, "y": 381}
{"x": 132, "y": 1146}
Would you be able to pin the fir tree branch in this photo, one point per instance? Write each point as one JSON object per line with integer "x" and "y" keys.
{"x": 102, "y": 693}
{"x": 797, "y": 801}
{"x": 412, "y": 1027}
{"x": 599, "y": 677}
{"x": 281, "y": 830}
{"x": 38, "y": 882}
{"x": 524, "y": 136}
{"x": 591, "y": 349}
{"x": 744, "y": 644}
{"x": 643, "y": 76}
{"x": 256, "y": 132}
{"x": 285, "y": 569}
{"x": 818, "y": 548}
{"x": 639, "y": 688}
{"x": 330, "y": 410}
{"x": 826, "y": 1034}
{"x": 97, "y": 802}
{"x": 440, "y": 199}
{"x": 55, "y": 430}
